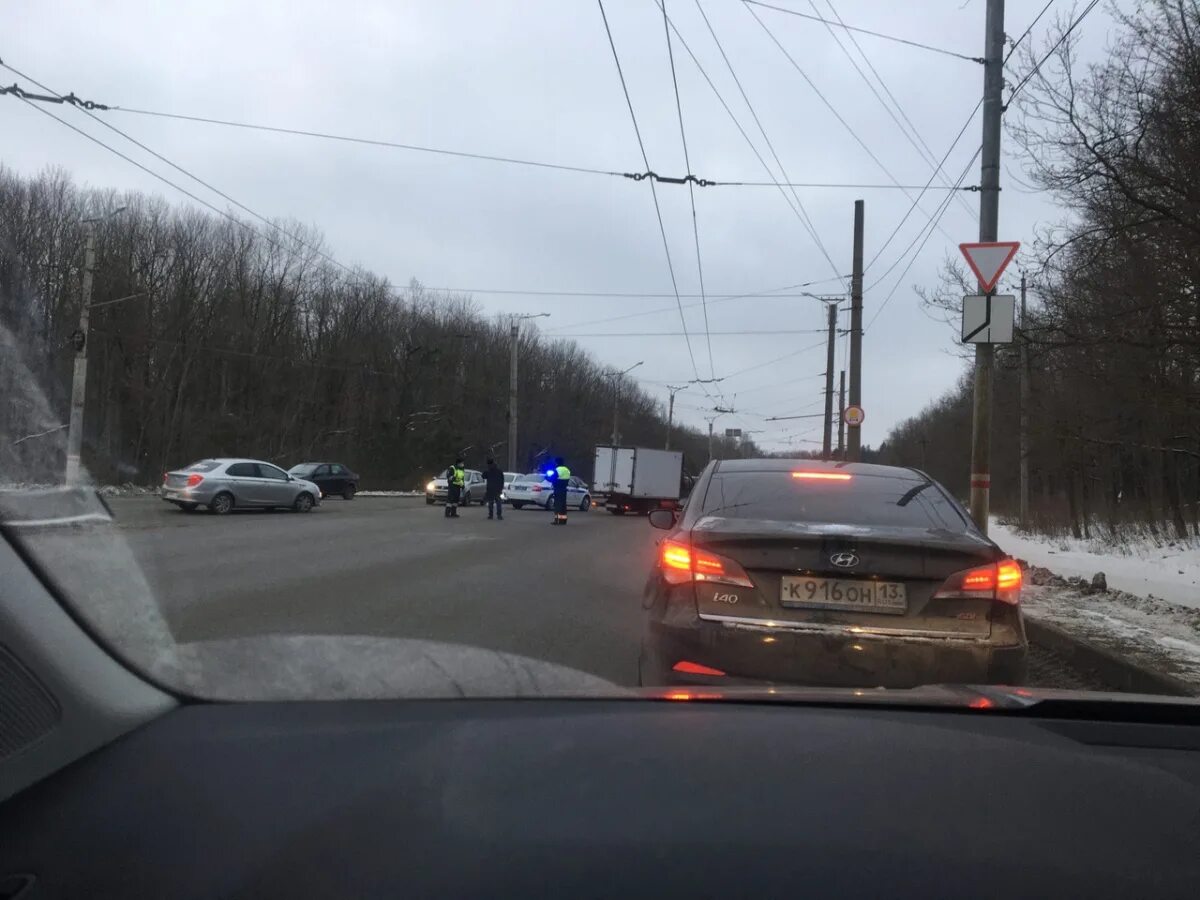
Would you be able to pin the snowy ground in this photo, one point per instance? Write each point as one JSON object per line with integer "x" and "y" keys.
{"x": 1169, "y": 571}
{"x": 1150, "y": 613}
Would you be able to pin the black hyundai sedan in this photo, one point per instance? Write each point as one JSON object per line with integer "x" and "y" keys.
{"x": 831, "y": 574}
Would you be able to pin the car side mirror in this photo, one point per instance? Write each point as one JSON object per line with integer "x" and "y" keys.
{"x": 291, "y": 477}
{"x": 662, "y": 518}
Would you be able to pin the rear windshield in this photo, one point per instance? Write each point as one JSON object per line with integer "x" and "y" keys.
{"x": 302, "y": 470}
{"x": 205, "y": 465}
{"x": 863, "y": 500}
{"x": 530, "y": 478}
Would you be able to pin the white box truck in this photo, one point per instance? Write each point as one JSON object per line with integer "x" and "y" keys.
{"x": 637, "y": 479}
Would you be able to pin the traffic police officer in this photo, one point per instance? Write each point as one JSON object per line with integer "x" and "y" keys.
{"x": 560, "y": 476}
{"x": 456, "y": 477}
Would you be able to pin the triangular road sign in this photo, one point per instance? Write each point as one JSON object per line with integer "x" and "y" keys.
{"x": 988, "y": 260}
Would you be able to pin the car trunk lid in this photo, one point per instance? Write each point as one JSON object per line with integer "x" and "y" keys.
{"x": 840, "y": 577}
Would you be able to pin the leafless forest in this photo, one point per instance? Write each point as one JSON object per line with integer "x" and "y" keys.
{"x": 251, "y": 341}
{"x": 1113, "y": 332}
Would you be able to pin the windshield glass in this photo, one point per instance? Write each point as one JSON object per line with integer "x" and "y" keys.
{"x": 860, "y": 500}
{"x": 720, "y": 262}
{"x": 205, "y": 465}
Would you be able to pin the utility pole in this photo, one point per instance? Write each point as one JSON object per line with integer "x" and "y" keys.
{"x": 1024, "y": 435}
{"x": 616, "y": 377}
{"x": 718, "y": 411}
{"x": 841, "y": 451}
{"x": 514, "y": 339}
{"x": 514, "y": 335}
{"x": 79, "y": 377}
{"x": 854, "y": 438}
{"x": 989, "y": 222}
{"x": 827, "y": 442}
{"x": 671, "y": 411}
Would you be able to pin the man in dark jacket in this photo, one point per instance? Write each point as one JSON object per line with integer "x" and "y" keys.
{"x": 493, "y": 479}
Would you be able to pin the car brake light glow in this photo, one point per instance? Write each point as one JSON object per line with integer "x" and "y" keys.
{"x": 691, "y": 668}
{"x": 681, "y": 564}
{"x": 823, "y": 476}
{"x": 676, "y": 556}
{"x": 194, "y": 479}
{"x": 1008, "y": 575}
{"x": 998, "y": 581}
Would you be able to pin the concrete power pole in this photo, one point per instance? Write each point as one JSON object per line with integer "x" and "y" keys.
{"x": 989, "y": 222}
{"x": 514, "y": 342}
{"x": 1024, "y": 435}
{"x": 841, "y": 450}
{"x": 854, "y": 437}
{"x": 827, "y": 441}
{"x": 616, "y": 377}
{"x": 514, "y": 335}
{"x": 671, "y": 411}
{"x": 79, "y": 378}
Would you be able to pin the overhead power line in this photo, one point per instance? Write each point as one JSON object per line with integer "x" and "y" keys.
{"x": 828, "y": 105}
{"x": 878, "y": 34}
{"x": 915, "y": 139}
{"x": 796, "y": 207}
{"x": 653, "y": 191}
{"x": 1037, "y": 68}
{"x": 1025, "y": 33}
{"x": 772, "y": 292}
{"x": 687, "y": 164}
{"x": 644, "y": 334}
{"x": 816, "y": 234}
{"x": 689, "y": 179}
{"x": 913, "y": 206}
{"x": 84, "y": 107}
{"x": 928, "y": 233}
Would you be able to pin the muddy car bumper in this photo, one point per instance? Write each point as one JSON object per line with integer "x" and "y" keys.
{"x": 758, "y": 654}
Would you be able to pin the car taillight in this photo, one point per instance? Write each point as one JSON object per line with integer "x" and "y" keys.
{"x": 165, "y": 476}
{"x": 194, "y": 479}
{"x": 681, "y": 564}
{"x": 687, "y": 667}
{"x": 537, "y": 489}
{"x": 822, "y": 476}
{"x": 998, "y": 581}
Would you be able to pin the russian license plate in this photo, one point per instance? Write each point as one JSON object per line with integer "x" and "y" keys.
{"x": 837, "y": 593}
{"x": 171, "y": 495}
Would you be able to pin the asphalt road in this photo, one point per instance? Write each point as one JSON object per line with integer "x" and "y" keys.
{"x": 396, "y": 567}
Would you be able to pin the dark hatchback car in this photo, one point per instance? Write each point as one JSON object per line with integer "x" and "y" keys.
{"x": 333, "y": 479}
{"x": 828, "y": 574}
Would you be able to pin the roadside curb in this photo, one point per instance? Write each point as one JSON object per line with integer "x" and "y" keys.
{"x": 1118, "y": 673}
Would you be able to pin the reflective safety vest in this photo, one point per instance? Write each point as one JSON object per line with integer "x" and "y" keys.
{"x": 562, "y": 472}
{"x": 460, "y": 476}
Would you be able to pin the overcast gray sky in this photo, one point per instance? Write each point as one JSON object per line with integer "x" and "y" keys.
{"x": 536, "y": 80}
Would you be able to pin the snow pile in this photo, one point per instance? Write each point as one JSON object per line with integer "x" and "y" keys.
{"x": 1144, "y": 566}
{"x": 1153, "y": 633}
{"x": 128, "y": 489}
{"x": 389, "y": 494}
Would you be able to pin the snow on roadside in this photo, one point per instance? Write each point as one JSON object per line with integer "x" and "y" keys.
{"x": 1153, "y": 633}
{"x": 1170, "y": 572}
{"x": 389, "y": 494}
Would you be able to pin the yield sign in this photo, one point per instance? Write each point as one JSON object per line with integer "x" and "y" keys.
{"x": 988, "y": 260}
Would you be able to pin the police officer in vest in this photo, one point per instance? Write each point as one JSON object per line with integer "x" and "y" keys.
{"x": 456, "y": 477}
{"x": 560, "y": 476}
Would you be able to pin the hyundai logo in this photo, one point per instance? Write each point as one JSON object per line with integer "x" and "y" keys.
{"x": 845, "y": 560}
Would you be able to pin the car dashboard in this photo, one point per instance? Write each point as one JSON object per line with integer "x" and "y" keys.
{"x": 603, "y": 797}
